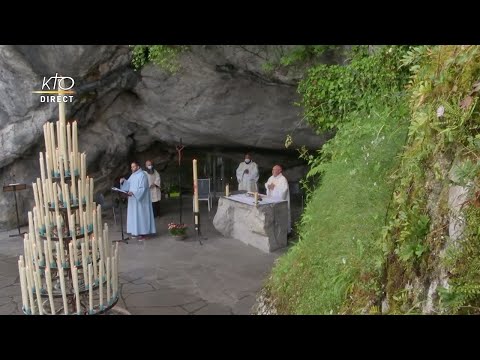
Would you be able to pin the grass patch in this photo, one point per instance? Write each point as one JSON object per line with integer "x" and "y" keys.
{"x": 336, "y": 265}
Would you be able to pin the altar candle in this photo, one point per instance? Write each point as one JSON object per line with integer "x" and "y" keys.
{"x": 47, "y": 256}
{"x": 90, "y": 289}
{"x": 195, "y": 184}
{"x": 99, "y": 219}
{"x": 48, "y": 277}
{"x": 75, "y": 287}
{"x": 23, "y": 285}
{"x": 108, "y": 281}
{"x": 227, "y": 191}
{"x": 100, "y": 285}
{"x": 107, "y": 240}
{"x": 256, "y": 198}
{"x": 38, "y": 293}
{"x": 42, "y": 167}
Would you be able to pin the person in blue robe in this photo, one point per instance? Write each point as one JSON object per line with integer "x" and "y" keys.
{"x": 140, "y": 220}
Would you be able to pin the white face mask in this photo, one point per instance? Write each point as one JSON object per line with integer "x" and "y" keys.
{"x": 247, "y": 161}
{"x": 149, "y": 167}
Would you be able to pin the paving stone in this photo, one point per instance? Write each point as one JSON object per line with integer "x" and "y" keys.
{"x": 11, "y": 290}
{"x": 192, "y": 307}
{"x": 168, "y": 297}
{"x": 214, "y": 309}
{"x": 133, "y": 288}
{"x": 244, "y": 305}
{"x": 167, "y": 310}
{"x": 8, "y": 309}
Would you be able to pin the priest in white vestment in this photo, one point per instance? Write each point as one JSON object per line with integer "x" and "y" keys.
{"x": 277, "y": 188}
{"x": 247, "y": 175}
{"x": 140, "y": 221}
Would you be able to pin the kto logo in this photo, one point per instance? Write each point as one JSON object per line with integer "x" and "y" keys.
{"x": 60, "y": 85}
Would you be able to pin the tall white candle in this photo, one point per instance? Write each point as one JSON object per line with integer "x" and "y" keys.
{"x": 30, "y": 287}
{"x": 91, "y": 189}
{"x": 67, "y": 199}
{"x": 195, "y": 186}
{"x": 30, "y": 223}
{"x": 87, "y": 198}
{"x": 74, "y": 238}
{"x": 113, "y": 277}
{"x": 116, "y": 268}
{"x": 227, "y": 191}
{"x": 94, "y": 258}
{"x": 90, "y": 288}
{"x": 62, "y": 286}
{"x": 100, "y": 285}
{"x": 62, "y": 170}
{"x": 80, "y": 194}
{"x": 37, "y": 236}
{"x": 69, "y": 143}
{"x": 23, "y": 285}
{"x": 58, "y": 160}
{"x": 60, "y": 239}
{"x": 48, "y": 277}
{"x": 42, "y": 167}
{"x": 70, "y": 253}
{"x": 75, "y": 139}
{"x": 84, "y": 264}
{"x": 38, "y": 292}
{"x": 72, "y": 173}
{"x": 75, "y": 287}
{"x": 49, "y": 244}
{"x": 52, "y": 151}
{"x": 80, "y": 215}
{"x": 108, "y": 281}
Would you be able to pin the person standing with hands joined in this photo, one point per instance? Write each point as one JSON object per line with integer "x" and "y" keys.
{"x": 247, "y": 175}
{"x": 277, "y": 188}
{"x": 154, "y": 183}
{"x": 140, "y": 221}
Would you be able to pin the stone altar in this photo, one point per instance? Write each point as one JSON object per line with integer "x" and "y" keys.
{"x": 263, "y": 226}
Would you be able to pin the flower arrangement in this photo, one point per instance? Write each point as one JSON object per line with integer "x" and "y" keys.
{"x": 177, "y": 229}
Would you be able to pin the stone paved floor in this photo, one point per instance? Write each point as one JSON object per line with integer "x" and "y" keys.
{"x": 163, "y": 276}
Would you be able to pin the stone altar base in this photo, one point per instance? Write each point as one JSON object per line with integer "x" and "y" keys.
{"x": 263, "y": 226}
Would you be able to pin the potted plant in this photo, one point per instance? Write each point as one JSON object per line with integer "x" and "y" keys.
{"x": 177, "y": 231}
